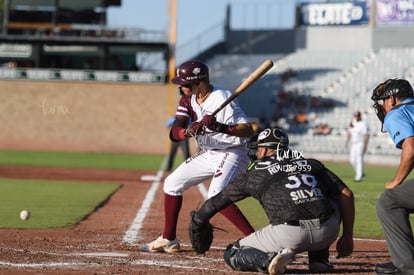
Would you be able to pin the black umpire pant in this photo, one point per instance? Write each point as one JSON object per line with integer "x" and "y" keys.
{"x": 393, "y": 209}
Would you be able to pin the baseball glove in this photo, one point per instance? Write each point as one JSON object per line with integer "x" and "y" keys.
{"x": 201, "y": 235}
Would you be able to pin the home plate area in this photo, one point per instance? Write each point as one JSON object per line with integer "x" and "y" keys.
{"x": 96, "y": 245}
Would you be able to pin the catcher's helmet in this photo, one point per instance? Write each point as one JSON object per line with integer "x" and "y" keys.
{"x": 252, "y": 147}
{"x": 397, "y": 87}
{"x": 274, "y": 138}
{"x": 190, "y": 72}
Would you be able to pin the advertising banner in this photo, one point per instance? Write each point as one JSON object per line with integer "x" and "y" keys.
{"x": 328, "y": 14}
{"x": 395, "y": 12}
{"x": 80, "y": 75}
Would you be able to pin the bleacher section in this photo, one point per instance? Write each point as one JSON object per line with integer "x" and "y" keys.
{"x": 345, "y": 77}
{"x": 228, "y": 70}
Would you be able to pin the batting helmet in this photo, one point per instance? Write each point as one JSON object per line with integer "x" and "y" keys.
{"x": 274, "y": 138}
{"x": 190, "y": 72}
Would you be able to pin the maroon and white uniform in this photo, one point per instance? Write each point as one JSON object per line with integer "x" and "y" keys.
{"x": 222, "y": 156}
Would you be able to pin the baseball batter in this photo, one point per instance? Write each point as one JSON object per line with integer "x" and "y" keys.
{"x": 223, "y": 153}
{"x": 304, "y": 201}
{"x": 358, "y": 136}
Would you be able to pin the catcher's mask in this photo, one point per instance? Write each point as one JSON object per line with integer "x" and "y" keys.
{"x": 392, "y": 87}
{"x": 252, "y": 148}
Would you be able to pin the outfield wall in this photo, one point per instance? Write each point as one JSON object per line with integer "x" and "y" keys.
{"x": 82, "y": 116}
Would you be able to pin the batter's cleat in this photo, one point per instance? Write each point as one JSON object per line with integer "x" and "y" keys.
{"x": 278, "y": 265}
{"x": 161, "y": 245}
{"x": 322, "y": 266}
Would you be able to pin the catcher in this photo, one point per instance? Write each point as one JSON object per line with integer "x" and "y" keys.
{"x": 304, "y": 201}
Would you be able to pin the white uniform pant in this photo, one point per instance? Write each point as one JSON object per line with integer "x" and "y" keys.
{"x": 356, "y": 158}
{"x": 221, "y": 166}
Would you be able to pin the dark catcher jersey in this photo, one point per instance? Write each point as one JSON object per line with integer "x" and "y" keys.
{"x": 289, "y": 189}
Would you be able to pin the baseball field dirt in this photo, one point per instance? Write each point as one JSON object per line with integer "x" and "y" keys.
{"x": 106, "y": 242}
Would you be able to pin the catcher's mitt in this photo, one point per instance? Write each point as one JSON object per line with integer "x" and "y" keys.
{"x": 201, "y": 235}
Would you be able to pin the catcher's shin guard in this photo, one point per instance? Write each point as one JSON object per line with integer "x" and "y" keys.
{"x": 247, "y": 258}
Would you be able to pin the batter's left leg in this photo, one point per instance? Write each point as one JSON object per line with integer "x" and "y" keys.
{"x": 236, "y": 217}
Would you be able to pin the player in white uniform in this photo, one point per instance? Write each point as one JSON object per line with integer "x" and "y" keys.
{"x": 358, "y": 136}
{"x": 222, "y": 140}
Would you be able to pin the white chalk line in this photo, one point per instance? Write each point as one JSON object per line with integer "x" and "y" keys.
{"x": 41, "y": 265}
{"x": 190, "y": 264}
{"x": 113, "y": 259}
{"x": 118, "y": 258}
{"x": 131, "y": 235}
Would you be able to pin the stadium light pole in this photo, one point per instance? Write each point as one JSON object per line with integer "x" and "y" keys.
{"x": 172, "y": 7}
{"x": 172, "y": 36}
{"x": 373, "y": 15}
{"x": 6, "y": 8}
{"x": 172, "y": 11}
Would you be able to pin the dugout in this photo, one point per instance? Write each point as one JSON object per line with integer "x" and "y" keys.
{"x": 72, "y": 34}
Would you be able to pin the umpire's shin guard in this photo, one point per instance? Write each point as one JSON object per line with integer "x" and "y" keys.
{"x": 247, "y": 258}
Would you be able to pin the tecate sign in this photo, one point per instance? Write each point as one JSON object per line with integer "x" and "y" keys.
{"x": 349, "y": 13}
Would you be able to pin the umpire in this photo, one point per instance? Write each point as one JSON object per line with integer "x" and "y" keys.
{"x": 304, "y": 201}
{"x": 394, "y": 106}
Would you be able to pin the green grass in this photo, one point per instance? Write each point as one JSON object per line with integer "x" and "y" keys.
{"x": 59, "y": 203}
{"x": 51, "y": 203}
{"x": 81, "y": 160}
{"x": 366, "y": 195}
{"x": 42, "y": 197}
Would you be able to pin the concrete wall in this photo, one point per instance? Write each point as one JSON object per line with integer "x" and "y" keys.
{"x": 106, "y": 117}
{"x": 346, "y": 38}
{"x": 319, "y": 38}
{"x": 392, "y": 37}
{"x": 355, "y": 37}
{"x": 259, "y": 42}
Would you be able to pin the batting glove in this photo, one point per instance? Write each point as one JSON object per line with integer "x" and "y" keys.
{"x": 196, "y": 128}
{"x": 211, "y": 123}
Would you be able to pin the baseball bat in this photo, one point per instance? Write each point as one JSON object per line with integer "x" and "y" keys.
{"x": 246, "y": 83}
